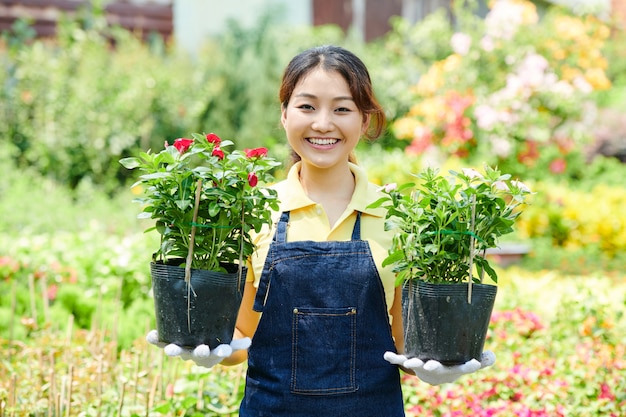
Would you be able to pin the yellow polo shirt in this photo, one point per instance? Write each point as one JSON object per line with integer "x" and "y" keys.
{"x": 308, "y": 221}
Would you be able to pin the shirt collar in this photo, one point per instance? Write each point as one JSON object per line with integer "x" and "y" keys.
{"x": 364, "y": 192}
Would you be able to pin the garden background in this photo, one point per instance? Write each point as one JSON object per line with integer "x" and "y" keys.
{"x": 541, "y": 96}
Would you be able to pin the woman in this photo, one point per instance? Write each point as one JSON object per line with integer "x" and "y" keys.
{"x": 323, "y": 316}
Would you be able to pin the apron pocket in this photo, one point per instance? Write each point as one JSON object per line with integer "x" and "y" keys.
{"x": 323, "y": 351}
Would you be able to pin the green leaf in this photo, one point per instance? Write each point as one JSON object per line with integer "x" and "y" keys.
{"x": 378, "y": 202}
{"x": 164, "y": 408}
{"x": 130, "y": 163}
{"x": 155, "y": 175}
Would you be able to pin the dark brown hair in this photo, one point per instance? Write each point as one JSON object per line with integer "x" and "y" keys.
{"x": 351, "y": 68}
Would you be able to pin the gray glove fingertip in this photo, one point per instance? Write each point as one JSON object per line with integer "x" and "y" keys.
{"x": 394, "y": 358}
{"x": 487, "y": 358}
{"x": 173, "y": 350}
{"x": 414, "y": 363}
{"x": 153, "y": 338}
{"x": 222, "y": 351}
{"x": 201, "y": 351}
{"x": 241, "y": 344}
{"x": 470, "y": 366}
{"x": 433, "y": 366}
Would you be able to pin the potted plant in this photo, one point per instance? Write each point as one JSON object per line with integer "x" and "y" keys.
{"x": 443, "y": 228}
{"x": 205, "y": 200}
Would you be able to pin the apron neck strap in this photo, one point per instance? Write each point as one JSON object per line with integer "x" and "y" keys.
{"x": 281, "y": 228}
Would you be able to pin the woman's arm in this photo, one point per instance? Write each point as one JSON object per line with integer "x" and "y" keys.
{"x": 397, "y": 330}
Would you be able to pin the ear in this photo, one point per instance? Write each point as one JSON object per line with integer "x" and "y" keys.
{"x": 283, "y": 115}
{"x": 366, "y": 123}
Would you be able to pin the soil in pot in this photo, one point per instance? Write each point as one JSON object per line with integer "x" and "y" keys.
{"x": 207, "y": 315}
{"x": 440, "y": 324}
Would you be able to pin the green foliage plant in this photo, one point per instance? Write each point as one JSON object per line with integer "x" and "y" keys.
{"x": 444, "y": 225}
{"x": 205, "y": 199}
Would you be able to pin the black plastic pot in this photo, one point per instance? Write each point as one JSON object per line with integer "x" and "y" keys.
{"x": 210, "y": 315}
{"x": 440, "y": 324}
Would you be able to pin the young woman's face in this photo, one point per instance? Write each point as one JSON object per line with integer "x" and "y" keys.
{"x": 322, "y": 122}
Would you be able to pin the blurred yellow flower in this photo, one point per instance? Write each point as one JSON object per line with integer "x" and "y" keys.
{"x": 559, "y": 53}
{"x": 404, "y": 128}
{"x": 568, "y": 27}
{"x": 529, "y": 12}
{"x": 137, "y": 189}
{"x": 570, "y": 73}
{"x": 452, "y": 63}
{"x": 597, "y": 78}
{"x": 431, "y": 81}
{"x": 429, "y": 109}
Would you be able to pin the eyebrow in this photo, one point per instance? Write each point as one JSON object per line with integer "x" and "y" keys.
{"x": 308, "y": 95}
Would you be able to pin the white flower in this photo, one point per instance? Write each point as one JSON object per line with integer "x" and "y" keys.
{"x": 487, "y": 43}
{"x": 582, "y": 85}
{"x": 501, "y": 186}
{"x": 461, "y": 43}
{"x": 523, "y": 187}
{"x": 472, "y": 173}
{"x": 486, "y": 116}
{"x": 387, "y": 188}
{"x": 500, "y": 146}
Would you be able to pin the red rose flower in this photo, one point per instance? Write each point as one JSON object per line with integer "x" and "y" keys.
{"x": 256, "y": 152}
{"x": 214, "y": 139}
{"x": 218, "y": 152}
{"x": 182, "y": 144}
{"x": 252, "y": 179}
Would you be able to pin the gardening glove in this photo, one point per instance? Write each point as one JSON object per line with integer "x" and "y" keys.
{"x": 202, "y": 355}
{"x": 434, "y": 373}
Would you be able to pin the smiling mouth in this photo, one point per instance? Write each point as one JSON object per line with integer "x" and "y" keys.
{"x": 322, "y": 141}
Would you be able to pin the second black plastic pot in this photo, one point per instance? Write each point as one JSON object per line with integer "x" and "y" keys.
{"x": 440, "y": 323}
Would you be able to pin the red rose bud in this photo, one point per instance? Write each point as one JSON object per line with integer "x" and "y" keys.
{"x": 256, "y": 152}
{"x": 214, "y": 139}
{"x": 218, "y": 152}
{"x": 252, "y": 179}
{"x": 182, "y": 144}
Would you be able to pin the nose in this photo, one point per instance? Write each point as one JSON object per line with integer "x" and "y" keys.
{"x": 322, "y": 122}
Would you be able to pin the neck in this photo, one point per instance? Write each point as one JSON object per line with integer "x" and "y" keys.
{"x": 323, "y": 184}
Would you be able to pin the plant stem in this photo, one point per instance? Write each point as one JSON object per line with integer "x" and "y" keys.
{"x": 192, "y": 241}
{"x": 471, "y": 259}
{"x": 193, "y": 232}
{"x": 240, "y": 267}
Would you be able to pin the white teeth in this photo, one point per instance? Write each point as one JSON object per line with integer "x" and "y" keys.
{"x": 319, "y": 141}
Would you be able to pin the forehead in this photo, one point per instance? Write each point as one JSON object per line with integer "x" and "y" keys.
{"x": 321, "y": 79}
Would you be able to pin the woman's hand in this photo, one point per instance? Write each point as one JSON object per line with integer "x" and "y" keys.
{"x": 202, "y": 355}
{"x": 434, "y": 373}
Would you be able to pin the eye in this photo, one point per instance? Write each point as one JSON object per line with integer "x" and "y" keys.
{"x": 306, "y": 107}
{"x": 343, "y": 110}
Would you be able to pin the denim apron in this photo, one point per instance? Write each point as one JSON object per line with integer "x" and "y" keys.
{"x": 318, "y": 349}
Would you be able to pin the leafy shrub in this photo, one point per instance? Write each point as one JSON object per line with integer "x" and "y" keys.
{"x": 515, "y": 91}
{"x": 576, "y": 219}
